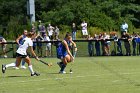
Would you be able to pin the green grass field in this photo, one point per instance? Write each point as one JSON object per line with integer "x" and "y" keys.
{"x": 91, "y": 75}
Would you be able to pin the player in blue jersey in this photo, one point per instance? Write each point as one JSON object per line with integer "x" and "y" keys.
{"x": 63, "y": 52}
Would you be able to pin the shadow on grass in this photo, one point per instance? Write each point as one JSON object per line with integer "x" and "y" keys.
{"x": 53, "y": 73}
{"x": 16, "y": 76}
{"x": 59, "y": 73}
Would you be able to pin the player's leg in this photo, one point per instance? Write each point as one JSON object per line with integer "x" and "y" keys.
{"x": 28, "y": 61}
{"x": 23, "y": 64}
{"x": 4, "y": 50}
{"x": 64, "y": 62}
{"x": 15, "y": 64}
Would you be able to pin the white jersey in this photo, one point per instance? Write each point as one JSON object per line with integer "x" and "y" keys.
{"x": 24, "y": 46}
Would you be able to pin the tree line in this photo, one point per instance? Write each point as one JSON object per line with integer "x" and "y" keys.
{"x": 104, "y": 14}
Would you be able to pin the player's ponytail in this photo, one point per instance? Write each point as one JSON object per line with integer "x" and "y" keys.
{"x": 67, "y": 34}
{"x": 30, "y": 34}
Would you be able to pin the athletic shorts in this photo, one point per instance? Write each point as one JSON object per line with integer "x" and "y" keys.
{"x": 48, "y": 48}
{"x": 21, "y": 56}
{"x": 3, "y": 46}
{"x": 84, "y": 32}
{"x": 61, "y": 56}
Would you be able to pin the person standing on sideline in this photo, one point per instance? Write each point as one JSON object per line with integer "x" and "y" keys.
{"x": 33, "y": 29}
{"x": 39, "y": 27}
{"x": 124, "y": 27}
{"x": 106, "y": 44}
{"x": 39, "y": 45}
{"x": 97, "y": 45}
{"x": 90, "y": 46}
{"x": 63, "y": 53}
{"x": 2, "y": 40}
{"x": 22, "y": 53}
{"x": 84, "y": 29}
{"x": 56, "y": 33}
{"x": 134, "y": 43}
{"x": 50, "y": 31}
{"x": 126, "y": 40}
{"x": 74, "y": 30}
{"x": 48, "y": 45}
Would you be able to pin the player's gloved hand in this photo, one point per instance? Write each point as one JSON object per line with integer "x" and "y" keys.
{"x": 37, "y": 58}
{"x": 75, "y": 49}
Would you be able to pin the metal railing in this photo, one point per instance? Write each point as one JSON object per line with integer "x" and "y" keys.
{"x": 82, "y": 46}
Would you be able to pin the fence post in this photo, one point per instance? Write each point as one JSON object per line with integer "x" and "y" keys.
{"x": 13, "y": 49}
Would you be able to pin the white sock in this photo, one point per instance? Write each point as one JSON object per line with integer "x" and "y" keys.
{"x": 11, "y": 65}
{"x": 31, "y": 69}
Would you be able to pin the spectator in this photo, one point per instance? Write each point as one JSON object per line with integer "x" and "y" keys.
{"x": 34, "y": 44}
{"x": 124, "y": 27}
{"x": 102, "y": 43}
{"x": 97, "y": 45}
{"x": 56, "y": 33}
{"x": 43, "y": 30}
{"x": 106, "y": 44}
{"x": 138, "y": 44}
{"x": 50, "y": 31}
{"x": 84, "y": 29}
{"x": 117, "y": 44}
{"x": 90, "y": 46}
{"x": 119, "y": 47}
{"x": 40, "y": 26}
{"x": 39, "y": 38}
{"x": 74, "y": 30}
{"x": 2, "y": 40}
{"x": 134, "y": 43}
{"x": 126, "y": 38}
{"x": 48, "y": 45}
{"x": 33, "y": 28}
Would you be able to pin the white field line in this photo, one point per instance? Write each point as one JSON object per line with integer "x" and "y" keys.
{"x": 59, "y": 78}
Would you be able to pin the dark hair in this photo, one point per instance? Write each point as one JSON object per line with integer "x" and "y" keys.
{"x": 67, "y": 34}
{"x": 30, "y": 34}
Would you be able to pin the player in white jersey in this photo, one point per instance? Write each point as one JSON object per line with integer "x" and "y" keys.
{"x": 21, "y": 53}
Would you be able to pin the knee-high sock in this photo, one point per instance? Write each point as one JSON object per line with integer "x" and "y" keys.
{"x": 11, "y": 65}
{"x": 23, "y": 63}
{"x": 63, "y": 67}
{"x": 31, "y": 69}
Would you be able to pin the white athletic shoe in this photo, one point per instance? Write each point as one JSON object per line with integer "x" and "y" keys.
{"x": 5, "y": 56}
{"x": 62, "y": 72}
{"x": 23, "y": 67}
{"x": 16, "y": 68}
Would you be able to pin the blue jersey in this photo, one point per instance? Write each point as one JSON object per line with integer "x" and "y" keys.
{"x": 61, "y": 50}
{"x": 20, "y": 41}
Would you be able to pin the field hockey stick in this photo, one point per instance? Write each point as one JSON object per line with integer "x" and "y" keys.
{"x": 74, "y": 55}
{"x": 46, "y": 63}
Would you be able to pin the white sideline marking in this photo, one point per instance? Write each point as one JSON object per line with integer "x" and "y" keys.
{"x": 65, "y": 78}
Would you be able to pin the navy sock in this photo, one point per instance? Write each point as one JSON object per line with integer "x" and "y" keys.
{"x": 23, "y": 62}
{"x": 61, "y": 63}
{"x": 63, "y": 67}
